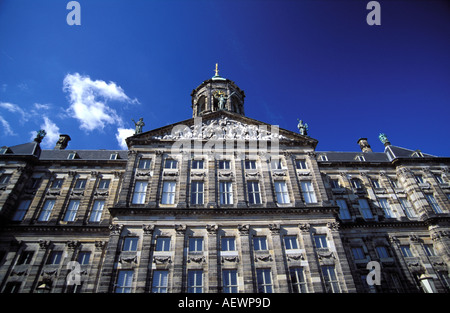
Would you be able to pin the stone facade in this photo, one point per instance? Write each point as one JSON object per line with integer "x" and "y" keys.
{"x": 267, "y": 214}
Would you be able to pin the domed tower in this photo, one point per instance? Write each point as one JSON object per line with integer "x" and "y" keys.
{"x": 215, "y": 94}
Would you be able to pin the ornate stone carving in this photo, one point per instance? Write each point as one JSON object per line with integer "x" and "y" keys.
{"x": 212, "y": 229}
{"x": 263, "y": 257}
{"x": 115, "y": 229}
{"x": 43, "y": 244}
{"x": 196, "y": 259}
{"x": 72, "y": 244}
{"x": 233, "y": 258}
{"x": 334, "y": 226}
{"x": 180, "y": 229}
{"x": 304, "y": 227}
{"x": 295, "y": 257}
{"x": 244, "y": 229}
{"x": 99, "y": 245}
{"x": 162, "y": 259}
{"x": 274, "y": 228}
{"x": 148, "y": 229}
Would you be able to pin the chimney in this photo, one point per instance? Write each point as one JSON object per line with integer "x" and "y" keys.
{"x": 62, "y": 142}
{"x": 364, "y": 145}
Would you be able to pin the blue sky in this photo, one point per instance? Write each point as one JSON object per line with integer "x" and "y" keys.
{"x": 318, "y": 61}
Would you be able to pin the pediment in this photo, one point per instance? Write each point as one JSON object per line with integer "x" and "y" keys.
{"x": 221, "y": 125}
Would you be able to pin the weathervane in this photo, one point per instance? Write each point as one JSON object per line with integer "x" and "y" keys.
{"x": 217, "y": 69}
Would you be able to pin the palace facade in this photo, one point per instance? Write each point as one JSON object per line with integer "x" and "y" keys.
{"x": 223, "y": 203}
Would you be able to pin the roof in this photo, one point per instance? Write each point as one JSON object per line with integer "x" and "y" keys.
{"x": 83, "y": 154}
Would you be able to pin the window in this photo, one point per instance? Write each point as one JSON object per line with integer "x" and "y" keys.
{"x": 436, "y": 208}
{"x": 46, "y": 211}
{"x": 226, "y": 193}
{"x": 229, "y": 279}
{"x": 308, "y": 192}
{"x": 250, "y": 164}
{"x": 439, "y": 179}
{"x": 407, "y": 207}
{"x": 140, "y": 190}
{"x": 360, "y": 158}
{"x": 144, "y": 164}
{"x": 83, "y": 257}
{"x": 104, "y": 184}
{"x": 72, "y": 209}
{"x": 97, "y": 210}
{"x": 195, "y": 281}
{"x": 344, "y": 213}
{"x": 419, "y": 179}
{"x": 259, "y": 243}
{"x": 21, "y": 210}
{"x": 170, "y": 164}
{"x": 384, "y": 204}
{"x": 228, "y": 244}
{"x": 163, "y": 244}
{"x": 298, "y": 280}
{"x": 195, "y": 244}
{"x": 290, "y": 242}
{"x": 382, "y": 252}
{"x": 323, "y": 157}
{"x": 160, "y": 281}
{"x": 275, "y": 164}
{"x": 4, "y": 179}
{"x": 264, "y": 280}
{"x": 224, "y": 165}
{"x": 80, "y": 184}
{"x": 12, "y": 287}
{"x": 358, "y": 253}
{"x": 197, "y": 192}
{"x": 124, "y": 282}
{"x": 429, "y": 250}
{"x": 335, "y": 183}
{"x": 365, "y": 209}
{"x": 71, "y": 156}
{"x": 282, "y": 192}
{"x": 55, "y": 258}
{"x": 25, "y": 257}
{"x": 197, "y": 164}
{"x": 168, "y": 194}
{"x": 376, "y": 183}
{"x": 57, "y": 183}
{"x": 406, "y": 251}
{"x": 320, "y": 241}
{"x": 356, "y": 183}
{"x": 254, "y": 196}
{"x": 330, "y": 279}
{"x": 113, "y": 156}
{"x": 130, "y": 244}
{"x": 395, "y": 183}
{"x": 301, "y": 164}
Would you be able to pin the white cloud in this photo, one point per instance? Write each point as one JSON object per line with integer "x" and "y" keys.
{"x": 122, "y": 134}
{"x": 6, "y": 127}
{"x": 14, "y": 108}
{"x": 52, "y": 135}
{"x": 40, "y": 106}
{"x": 88, "y": 101}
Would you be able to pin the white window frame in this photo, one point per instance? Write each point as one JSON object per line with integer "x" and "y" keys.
{"x": 408, "y": 208}
{"x": 264, "y": 280}
{"x": 46, "y": 210}
{"x": 344, "y": 212}
{"x": 384, "y": 204}
{"x": 298, "y": 280}
{"x": 224, "y": 164}
{"x": 198, "y": 164}
{"x": 229, "y": 281}
{"x": 197, "y": 194}
{"x": 364, "y": 208}
{"x": 72, "y": 210}
{"x": 195, "y": 281}
{"x": 97, "y": 211}
{"x": 330, "y": 279}
{"x": 250, "y": 164}
{"x": 130, "y": 243}
{"x": 140, "y": 192}
{"x": 226, "y": 192}
{"x": 282, "y": 192}
{"x": 228, "y": 243}
{"x": 144, "y": 163}
{"x": 160, "y": 281}
{"x": 196, "y": 244}
{"x": 170, "y": 164}
{"x": 254, "y": 192}
{"x": 168, "y": 192}
{"x": 124, "y": 281}
{"x": 309, "y": 194}
{"x": 162, "y": 244}
{"x": 290, "y": 242}
{"x": 260, "y": 243}
{"x": 434, "y": 205}
{"x": 22, "y": 210}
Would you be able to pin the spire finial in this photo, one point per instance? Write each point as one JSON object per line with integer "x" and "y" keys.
{"x": 217, "y": 69}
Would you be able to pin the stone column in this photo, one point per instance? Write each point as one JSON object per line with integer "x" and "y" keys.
{"x": 213, "y": 260}
{"x": 143, "y": 284}
{"x": 106, "y": 280}
{"x": 179, "y": 267}
{"x": 247, "y": 259}
{"x": 279, "y": 259}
